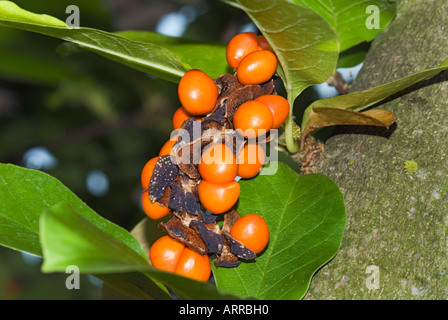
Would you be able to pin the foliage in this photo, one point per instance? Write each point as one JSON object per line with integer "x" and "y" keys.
{"x": 306, "y": 214}
{"x": 306, "y": 217}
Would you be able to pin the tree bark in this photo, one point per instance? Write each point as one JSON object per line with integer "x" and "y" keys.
{"x": 396, "y": 220}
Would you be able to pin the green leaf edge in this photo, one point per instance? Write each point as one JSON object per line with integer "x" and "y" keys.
{"x": 11, "y": 15}
{"x": 341, "y": 224}
{"x": 292, "y": 93}
{"x": 374, "y": 94}
{"x": 183, "y": 287}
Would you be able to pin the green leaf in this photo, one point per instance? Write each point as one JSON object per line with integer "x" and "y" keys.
{"x": 209, "y": 57}
{"x": 26, "y": 193}
{"x": 305, "y": 44}
{"x": 142, "y": 56}
{"x": 361, "y": 100}
{"x": 68, "y": 239}
{"x": 348, "y": 18}
{"x": 188, "y": 289}
{"x": 73, "y": 234}
{"x": 29, "y": 61}
{"x": 306, "y": 219}
{"x": 147, "y": 232}
{"x": 353, "y": 56}
{"x": 130, "y": 285}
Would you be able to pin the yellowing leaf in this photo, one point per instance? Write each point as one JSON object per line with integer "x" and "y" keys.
{"x": 325, "y": 117}
{"x": 361, "y": 100}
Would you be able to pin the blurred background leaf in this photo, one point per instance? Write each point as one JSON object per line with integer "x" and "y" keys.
{"x": 145, "y": 57}
{"x": 206, "y": 56}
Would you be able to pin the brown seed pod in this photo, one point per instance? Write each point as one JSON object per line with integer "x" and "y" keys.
{"x": 175, "y": 179}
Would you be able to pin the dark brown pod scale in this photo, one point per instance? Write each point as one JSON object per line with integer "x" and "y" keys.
{"x": 174, "y": 183}
{"x": 164, "y": 172}
{"x": 227, "y": 259}
{"x": 213, "y": 240}
{"x": 239, "y": 249}
{"x": 188, "y": 236}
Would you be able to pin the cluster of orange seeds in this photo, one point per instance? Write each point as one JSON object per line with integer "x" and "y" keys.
{"x": 243, "y": 104}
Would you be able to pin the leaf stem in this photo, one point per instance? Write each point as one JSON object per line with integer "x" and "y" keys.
{"x": 291, "y": 144}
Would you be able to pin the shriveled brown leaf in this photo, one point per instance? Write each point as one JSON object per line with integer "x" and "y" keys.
{"x": 326, "y": 117}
